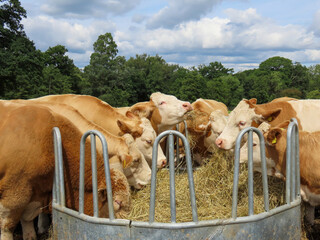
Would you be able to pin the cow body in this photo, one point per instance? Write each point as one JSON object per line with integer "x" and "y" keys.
{"x": 248, "y": 113}
{"x": 309, "y": 145}
{"x": 123, "y": 152}
{"x": 108, "y": 118}
{"x": 27, "y": 168}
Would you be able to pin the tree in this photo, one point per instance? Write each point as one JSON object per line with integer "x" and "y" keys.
{"x": 60, "y": 71}
{"x": 214, "y": 70}
{"x": 99, "y": 71}
{"x": 11, "y": 14}
{"x": 226, "y": 89}
{"x": 193, "y": 86}
{"x": 21, "y": 72}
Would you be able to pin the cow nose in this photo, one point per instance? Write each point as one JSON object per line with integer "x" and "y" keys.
{"x": 187, "y": 106}
{"x": 163, "y": 163}
{"x": 118, "y": 202}
{"x": 219, "y": 142}
{"x": 140, "y": 186}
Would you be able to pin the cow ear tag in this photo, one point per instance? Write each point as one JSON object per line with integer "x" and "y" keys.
{"x": 274, "y": 141}
{"x": 269, "y": 119}
{"x": 124, "y": 163}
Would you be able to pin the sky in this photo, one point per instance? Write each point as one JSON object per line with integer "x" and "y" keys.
{"x": 238, "y": 33}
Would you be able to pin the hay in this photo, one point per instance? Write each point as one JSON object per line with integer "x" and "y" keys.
{"x": 213, "y": 186}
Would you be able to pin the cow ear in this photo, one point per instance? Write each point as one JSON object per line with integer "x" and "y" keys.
{"x": 273, "y": 136}
{"x": 251, "y": 102}
{"x": 125, "y": 128}
{"x": 102, "y": 191}
{"x": 284, "y": 124}
{"x": 131, "y": 115}
{"x": 209, "y": 132}
{"x": 102, "y": 194}
{"x": 269, "y": 115}
{"x": 126, "y": 161}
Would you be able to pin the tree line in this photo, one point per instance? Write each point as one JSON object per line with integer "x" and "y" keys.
{"x": 26, "y": 72}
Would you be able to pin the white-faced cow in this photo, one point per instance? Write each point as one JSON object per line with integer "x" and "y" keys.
{"x": 164, "y": 111}
{"x": 248, "y": 113}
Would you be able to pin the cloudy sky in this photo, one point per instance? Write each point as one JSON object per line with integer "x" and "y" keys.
{"x": 238, "y": 33}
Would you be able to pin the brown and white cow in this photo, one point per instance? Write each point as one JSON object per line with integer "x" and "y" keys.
{"x": 138, "y": 173}
{"x": 27, "y": 168}
{"x": 164, "y": 111}
{"x": 256, "y": 156}
{"x": 204, "y": 123}
{"x": 309, "y": 145}
{"x": 107, "y": 117}
{"x": 248, "y": 113}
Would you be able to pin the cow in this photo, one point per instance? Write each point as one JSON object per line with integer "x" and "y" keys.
{"x": 309, "y": 145}
{"x": 248, "y": 113}
{"x": 164, "y": 111}
{"x": 107, "y": 117}
{"x": 271, "y": 169}
{"x": 138, "y": 173}
{"x": 203, "y": 125}
{"x": 27, "y": 168}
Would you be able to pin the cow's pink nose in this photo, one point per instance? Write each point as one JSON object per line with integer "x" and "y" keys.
{"x": 219, "y": 142}
{"x": 163, "y": 163}
{"x": 187, "y": 106}
{"x": 118, "y": 202}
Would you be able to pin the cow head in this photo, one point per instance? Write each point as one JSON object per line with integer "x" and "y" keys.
{"x": 138, "y": 172}
{"x": 241, "y": 117}
{"x": 120, "y": 195}
{"x": 145, "y": 144}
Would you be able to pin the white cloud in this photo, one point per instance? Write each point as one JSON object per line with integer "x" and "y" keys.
{"x": 316, "y": 23}
{"x": 87, "y": 9}
{"x": 78, "y": 38}
{"x": 180, "y": 11}
{"x": 242, "y": 37}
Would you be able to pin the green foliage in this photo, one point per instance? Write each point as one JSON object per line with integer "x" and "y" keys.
{"x": 11, "y": 14}
{"x": 315, "y": 94}
{"x": 26, "y": 72}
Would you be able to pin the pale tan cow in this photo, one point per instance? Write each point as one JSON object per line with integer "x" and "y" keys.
{"x": 248, "y": 113}
{"x": 204, "y": 124}
{"x": 107, "y": 117}
{"x": 27, "y": 168}
{"x": 138, "y": 173}
{"x": 309, "y": 145}
{"x": 164, "y": 111}
{"x": 271, "y": 170}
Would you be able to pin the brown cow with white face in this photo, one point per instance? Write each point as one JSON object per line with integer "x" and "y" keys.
{"x": 27, "y": 168}
{"x": 309, "y": 145}
{"x": 164, "y": 111}
{"x": 107, "y": 117}
{"x": 207, "y": 119}
{"x": 248, "y": 113}
{"x": 271, "y": 169}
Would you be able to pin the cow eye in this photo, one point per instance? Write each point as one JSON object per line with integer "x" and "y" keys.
{"x": 149, "y": 142}
{"x": 254, "y": 144}
{"x": 163, "y": 102}
{"x": 242, "y": 123}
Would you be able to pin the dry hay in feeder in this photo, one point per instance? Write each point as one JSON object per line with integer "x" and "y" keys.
{"x": 213, "y": 186}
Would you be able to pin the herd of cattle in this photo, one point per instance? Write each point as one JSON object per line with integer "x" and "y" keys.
{"x": 27, "y": 156}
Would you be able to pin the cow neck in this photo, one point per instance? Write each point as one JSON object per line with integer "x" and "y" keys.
{"x": 287, "y": 112}
{"x": 156, "y": 120}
